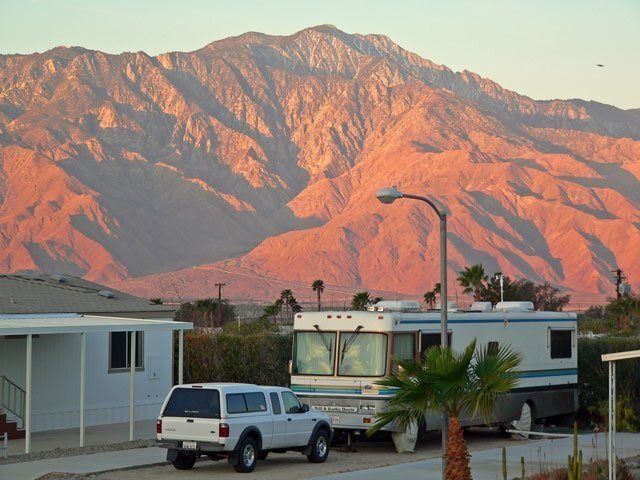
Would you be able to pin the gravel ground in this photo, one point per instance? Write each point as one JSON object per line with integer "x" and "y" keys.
{"x": 72, "y": 451}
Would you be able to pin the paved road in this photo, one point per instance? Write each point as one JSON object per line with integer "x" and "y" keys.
{"x": 372, "y": 461}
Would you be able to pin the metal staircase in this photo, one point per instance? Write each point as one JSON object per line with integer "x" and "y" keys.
{"x": 12, "y": 405}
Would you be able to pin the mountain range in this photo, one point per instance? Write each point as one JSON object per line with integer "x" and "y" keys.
{"x": 255, "y": 161}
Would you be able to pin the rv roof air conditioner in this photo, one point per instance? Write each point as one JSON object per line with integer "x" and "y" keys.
{"x": 395, "y": 306}
{"x": 480, "y": 307}
{"x": 515, "y": 307}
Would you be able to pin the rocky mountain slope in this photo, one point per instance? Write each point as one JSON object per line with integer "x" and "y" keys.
{"x": 256, "y": 159}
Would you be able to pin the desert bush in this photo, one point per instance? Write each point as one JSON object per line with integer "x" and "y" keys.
{"x": 593, "y": 378}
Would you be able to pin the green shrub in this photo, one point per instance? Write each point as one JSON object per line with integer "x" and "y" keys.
{"x": 259, "y": 357}
{"x": 593, "y": 382}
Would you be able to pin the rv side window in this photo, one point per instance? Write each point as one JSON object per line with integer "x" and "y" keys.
{"x": 403, "y": 347}
{"x": 561, "y": 343}
{"x": 429, "y": 340}
{"x": 492, "y": 348}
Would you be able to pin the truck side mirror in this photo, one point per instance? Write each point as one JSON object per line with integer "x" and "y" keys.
{"x": 305, "y": 408}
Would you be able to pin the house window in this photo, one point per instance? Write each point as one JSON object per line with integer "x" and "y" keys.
{"x": 120, "y": 351}
{"x": 561, "y": 343}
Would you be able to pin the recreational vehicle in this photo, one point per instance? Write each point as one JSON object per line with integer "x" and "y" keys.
{"x": 339, "y": 356}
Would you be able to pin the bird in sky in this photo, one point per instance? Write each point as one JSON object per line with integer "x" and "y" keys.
{"x": 599, "y": 65}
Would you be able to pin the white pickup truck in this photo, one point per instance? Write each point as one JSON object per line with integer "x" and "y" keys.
{"x": 241, "y": 422}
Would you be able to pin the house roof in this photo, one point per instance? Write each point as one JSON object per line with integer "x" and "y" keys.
{"x": 73, "y": 323}
{"x": 37, "y": 294}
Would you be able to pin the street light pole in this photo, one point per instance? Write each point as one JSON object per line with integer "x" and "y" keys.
{"x": 387, "y": 196}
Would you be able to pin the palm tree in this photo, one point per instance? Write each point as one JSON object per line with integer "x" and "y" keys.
{"x": 272, "y": 311}
{"x": 360, "y": 301}
{"x": 473, "y": 280}
{"x": 207, "y": 307}
{"x": 455, "y": 382}
{"x": 430, "y": 299}
{"x": 285, "y": 297}
{"x": 318, "y": 287}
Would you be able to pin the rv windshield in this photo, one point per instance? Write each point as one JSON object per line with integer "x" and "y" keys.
{"x": 314, "y": 353}
{"x": 362, "y": 354}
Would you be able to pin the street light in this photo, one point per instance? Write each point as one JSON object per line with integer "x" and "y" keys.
{"x": 389, "y": 195}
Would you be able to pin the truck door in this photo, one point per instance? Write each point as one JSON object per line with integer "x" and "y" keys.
{"x": 299, "y": 424}
{"x": 279, "y": 422}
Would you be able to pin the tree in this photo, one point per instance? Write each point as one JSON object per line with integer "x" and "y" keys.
{"x": 318, "y": 287}
{"x": 206, "y": 307}
{"x": 625, "y": 311}
{"x": 547, "y": 297}
{"x": 473, "y": 280}
{"x": 430, "y": 299}
{"x": 456, "y": 382}
{"x": 285, "y": 299}
{"x": 272, "y": 311}
{"x": 360, "y": 301}
{"x": 543, "y": 295}
{"x": 202, "y": 312}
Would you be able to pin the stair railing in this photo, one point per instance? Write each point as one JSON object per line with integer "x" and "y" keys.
{"x": 12, "y": 397}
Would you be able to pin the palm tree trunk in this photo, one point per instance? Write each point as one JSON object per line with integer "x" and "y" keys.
{"x": 319, "y": 304}
{"x": 457, "y": 453}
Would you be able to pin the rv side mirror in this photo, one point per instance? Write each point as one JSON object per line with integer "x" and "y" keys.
{"x": 290, "y": 367}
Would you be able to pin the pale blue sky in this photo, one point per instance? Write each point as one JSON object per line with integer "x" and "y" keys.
{"x": 544, "y": 49}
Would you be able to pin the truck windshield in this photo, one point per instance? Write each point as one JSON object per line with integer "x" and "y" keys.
{"x": 192, "y": 402}
{"x": 314, "y": 353}
{"x": 362, "y": 354}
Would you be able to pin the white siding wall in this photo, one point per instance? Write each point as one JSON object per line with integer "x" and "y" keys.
{"x": 56, "y": 379}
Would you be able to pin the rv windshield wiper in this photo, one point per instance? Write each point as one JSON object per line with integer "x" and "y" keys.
{"x": 327, "y": 344}
{"x": 348, "y": 343}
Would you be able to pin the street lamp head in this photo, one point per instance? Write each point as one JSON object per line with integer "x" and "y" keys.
{"x": 388, "y": 195}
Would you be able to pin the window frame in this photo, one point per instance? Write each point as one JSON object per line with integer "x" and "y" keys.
{"x": 217, "y": 393}
{"x": 570, "y": 331}
{"x": 140, "y": 341}
{"x": 490, "y": 348}
{"x": 421, "y": 349}
{"x": 275, "y": 401}
{"x": 393, "y": 364}
{"x": 244, "y": 400}
{"x": 285, "y": 392}
{"x": 294, "y": 355}
{"x": 361, "y": 332}
{"x": 264, "y": 398}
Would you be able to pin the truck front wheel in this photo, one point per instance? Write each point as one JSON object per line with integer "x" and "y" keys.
{"x": 319, "y": 447}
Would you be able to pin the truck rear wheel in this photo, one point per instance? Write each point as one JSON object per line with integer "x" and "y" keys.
{"x": 247, "y": 457}
{"x": 184, "y": 461}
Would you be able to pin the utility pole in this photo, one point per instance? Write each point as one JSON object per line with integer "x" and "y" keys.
{"x": 619, "y": 278}
{"x": 220, "y": 285}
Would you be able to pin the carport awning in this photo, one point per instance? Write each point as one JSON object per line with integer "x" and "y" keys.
{"x": 75, "y": 323}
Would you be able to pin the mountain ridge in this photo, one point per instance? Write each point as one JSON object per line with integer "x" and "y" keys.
{"x": 255, "y": 145}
